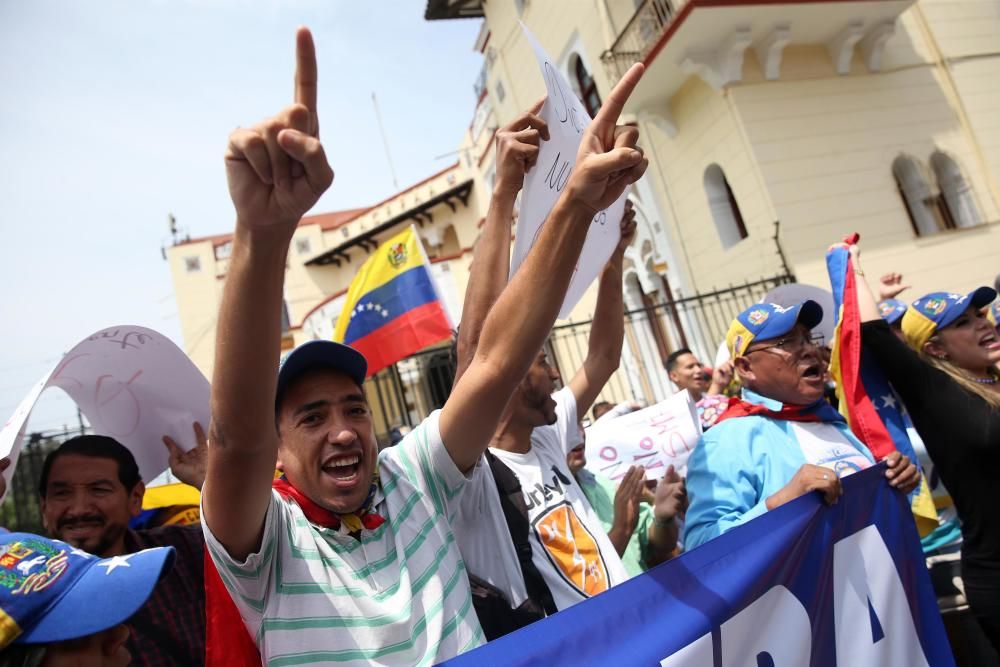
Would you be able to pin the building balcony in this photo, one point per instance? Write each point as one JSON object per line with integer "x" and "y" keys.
{"x": 676, "y": 39}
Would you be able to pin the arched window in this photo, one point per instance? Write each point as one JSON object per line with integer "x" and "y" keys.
{"x": 725, "y": 211}
{"x": 956, "y": 195}
{"x": 585, "y": 86}
{"x": 924, "y": 208}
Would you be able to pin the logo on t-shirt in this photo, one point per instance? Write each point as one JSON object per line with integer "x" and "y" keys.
{"x": 572, "y": 549}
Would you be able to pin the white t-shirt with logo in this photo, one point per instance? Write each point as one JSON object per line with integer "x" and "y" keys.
{"x": 823, "y": 445}
{"x": 568, "y": 543}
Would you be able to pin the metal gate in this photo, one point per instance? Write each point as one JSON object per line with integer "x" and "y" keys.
{"x": 403, "y": 394}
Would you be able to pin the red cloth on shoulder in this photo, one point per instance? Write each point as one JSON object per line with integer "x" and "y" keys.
{"x": 227, "y": 642}
{"x": 817, "y": 412}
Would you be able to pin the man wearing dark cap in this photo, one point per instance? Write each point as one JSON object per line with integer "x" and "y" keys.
{"x": 351, "y": 558}
{"x": 782, "y": 439}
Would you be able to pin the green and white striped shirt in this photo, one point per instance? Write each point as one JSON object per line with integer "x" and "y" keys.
{"x": 399, "y": 596}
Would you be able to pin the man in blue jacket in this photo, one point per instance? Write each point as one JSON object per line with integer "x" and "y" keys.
{"x": 781, "y": 440}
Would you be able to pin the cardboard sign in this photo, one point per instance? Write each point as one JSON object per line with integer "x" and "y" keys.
{"x": 567, "y": 119}
{"x": 134, "y": 385}
{"x": 655, "y": 438}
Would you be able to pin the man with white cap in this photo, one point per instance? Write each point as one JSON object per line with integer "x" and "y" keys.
{"x": 781, "y": 440}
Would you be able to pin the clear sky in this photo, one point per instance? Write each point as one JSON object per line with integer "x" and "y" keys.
{"x": 115, "y": 113}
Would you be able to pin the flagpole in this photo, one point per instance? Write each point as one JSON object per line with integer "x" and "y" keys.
{"x": 385, "y": 143}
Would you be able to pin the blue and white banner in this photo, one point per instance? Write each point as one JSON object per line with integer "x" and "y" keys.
{"x": 804, "y": 584}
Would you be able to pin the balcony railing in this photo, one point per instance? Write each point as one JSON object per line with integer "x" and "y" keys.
{"x": 639, "y": 35}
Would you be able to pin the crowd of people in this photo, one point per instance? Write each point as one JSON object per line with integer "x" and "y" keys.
{"x": 484, "y": 518}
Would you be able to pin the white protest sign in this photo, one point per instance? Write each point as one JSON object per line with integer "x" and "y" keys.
{"x": 655, "y": 438}
{"x": 133, "y": 384}
{"x": 567, "y": 119}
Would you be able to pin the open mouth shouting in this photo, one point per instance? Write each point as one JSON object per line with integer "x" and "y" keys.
{"x": 343, "y": 469}
{"x": 813, "y": 373}
{"x": 990, "y": 342}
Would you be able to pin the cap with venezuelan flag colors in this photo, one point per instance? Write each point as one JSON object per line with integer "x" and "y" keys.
{"x": 937, "y": 310}
{"x": 52, "y": 592}
{"x": 764, "y": 321}
{"x": 891, "y": 310}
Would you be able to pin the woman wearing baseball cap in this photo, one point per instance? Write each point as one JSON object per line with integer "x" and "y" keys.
{"x": 946, "y": 374}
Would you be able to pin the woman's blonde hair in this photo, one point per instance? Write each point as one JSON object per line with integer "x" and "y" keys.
{"x": 991, "y": 397}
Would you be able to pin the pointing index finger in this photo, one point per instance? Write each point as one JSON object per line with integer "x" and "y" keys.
{"x": 305, "y": 70}
{"x": 615, "y": 102}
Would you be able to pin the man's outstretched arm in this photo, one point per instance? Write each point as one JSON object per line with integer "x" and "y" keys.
{"x": 516, "y": 152}
{"x": 608, "y": 161}
{"x": 607, "y": 331}
{"x": 276, "y": 171}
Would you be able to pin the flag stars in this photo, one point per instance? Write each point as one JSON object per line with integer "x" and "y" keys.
{"x": 889, "y": 401}
{"x": 115, "y": 562}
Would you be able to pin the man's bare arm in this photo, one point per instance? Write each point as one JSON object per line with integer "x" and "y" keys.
{"x": 516, "y": 152}
{"x": 276, "y": 172}
{"x": 608, "y": 161}
{"x": 607, "y": 331}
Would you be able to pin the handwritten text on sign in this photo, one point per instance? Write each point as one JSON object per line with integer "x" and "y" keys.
{"x": 655, "y": 438}
{"x": 567, "y": 119}
{"x": 132, "y": 384}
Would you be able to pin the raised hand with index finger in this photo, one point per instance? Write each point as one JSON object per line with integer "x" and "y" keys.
{"x": 277, "y": 169}
{"x": 609, "y": 159}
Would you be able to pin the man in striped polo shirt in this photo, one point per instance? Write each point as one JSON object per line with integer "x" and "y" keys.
{"x": 351, "y": 557}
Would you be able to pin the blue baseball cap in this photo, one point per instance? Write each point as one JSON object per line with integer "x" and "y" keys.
{"x": 891, "y": 310}
{"x": 320, "y": 354}
{"x": 937, "y": 310}
{"x": 53, "y": 592}
{"x": 764, "y": 321}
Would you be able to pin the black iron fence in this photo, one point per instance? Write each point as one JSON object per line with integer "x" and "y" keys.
{"x": 403, "y": 394}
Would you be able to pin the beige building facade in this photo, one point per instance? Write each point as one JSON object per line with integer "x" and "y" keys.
{"x": 773, "y": 129}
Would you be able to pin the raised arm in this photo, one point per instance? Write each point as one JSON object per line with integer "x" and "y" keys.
{"x": 276, "y": 171}
{"x": 867, "y": 305}
{"x": 607, "y": 331}
{"x": 516, "y": 153}
{"x": 515, "y": 329}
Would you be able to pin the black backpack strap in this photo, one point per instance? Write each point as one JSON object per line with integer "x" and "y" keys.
{"x": 516, "y": 514}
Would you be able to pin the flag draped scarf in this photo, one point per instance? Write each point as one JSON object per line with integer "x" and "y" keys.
{"x": 227, "y": 642}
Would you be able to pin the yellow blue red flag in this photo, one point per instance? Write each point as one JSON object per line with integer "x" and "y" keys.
{"x": 866, "y": 398}
{"x": 393, "y": 309}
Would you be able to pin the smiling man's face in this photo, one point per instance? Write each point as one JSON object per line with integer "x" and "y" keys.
{"x": 86, "y": 504}
{"x": 328, "y": 449}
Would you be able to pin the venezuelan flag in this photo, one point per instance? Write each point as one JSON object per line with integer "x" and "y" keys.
{"x": 866, "y": 399}
{"x": 392, "y": 308}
